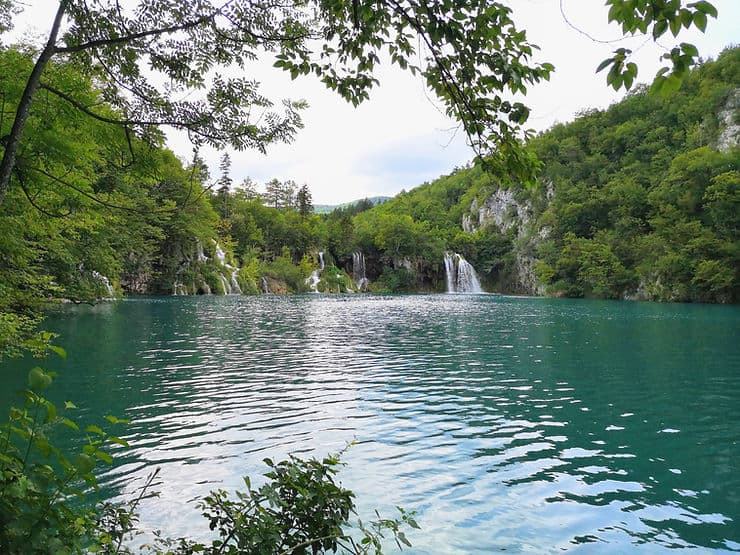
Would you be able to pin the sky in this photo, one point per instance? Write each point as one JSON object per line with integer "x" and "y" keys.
{"x": 400, "y": 138}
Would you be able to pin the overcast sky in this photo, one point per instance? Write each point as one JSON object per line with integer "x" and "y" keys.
{"x": 400, "y": 139}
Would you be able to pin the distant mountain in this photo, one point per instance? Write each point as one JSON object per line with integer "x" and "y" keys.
{"x": 327, "y": 208}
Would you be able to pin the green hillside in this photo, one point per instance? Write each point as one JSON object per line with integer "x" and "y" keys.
{"x": 640, "y": 201}
{"x": 327, "y": 208}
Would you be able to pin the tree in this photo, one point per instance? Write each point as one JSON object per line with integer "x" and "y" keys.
{"x": 248, "y": 189}
{"x": 273, "y": 192}
{"x": 287, "y": 193}
{"x": 470, "y": 54}
{"x": 304, "y": 201}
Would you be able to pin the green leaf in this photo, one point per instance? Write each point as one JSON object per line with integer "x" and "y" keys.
{"x": 69, "y": 405}
{"x": 604, "y": 64}
{"x": 700, "y": 21}
{"x": 103, "y": 456}
{"x": 92, "y": 428}
{"x": 51, "y": 411}
{"x": 58, "y": 350}
{"x": 690, "y": 49}
{"x": 38, "y": 379}
{"x": 84, "y": 463}
{"x": 705, "y": 8}
{"x": 118, "y": 440}
{"x": 660, "y": 27}
{"x": 67, "y": 422}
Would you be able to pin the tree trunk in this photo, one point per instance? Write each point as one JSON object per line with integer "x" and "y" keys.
{"x": 13, "y": 140}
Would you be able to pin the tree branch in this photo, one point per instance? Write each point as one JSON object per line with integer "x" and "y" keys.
{"x": 135, "y": 36}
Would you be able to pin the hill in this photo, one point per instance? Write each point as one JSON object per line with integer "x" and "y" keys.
{"x": 327, "y": 208}
{"x": 641, "y": 200}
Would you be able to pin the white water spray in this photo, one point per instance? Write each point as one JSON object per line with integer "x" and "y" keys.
{"x": 358, "y": 271}
{"x": 460, "y": 275}
{"x": 106, "y": 282}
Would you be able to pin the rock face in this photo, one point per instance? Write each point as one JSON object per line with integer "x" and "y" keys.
{"x": 729, "y": 123}
{"x": 508, "y": 210}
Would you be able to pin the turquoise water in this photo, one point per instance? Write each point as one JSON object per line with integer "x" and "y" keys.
{"x": 525, "y": 425}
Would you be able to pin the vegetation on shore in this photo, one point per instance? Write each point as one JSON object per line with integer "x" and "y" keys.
{"x": 639, "y": 200}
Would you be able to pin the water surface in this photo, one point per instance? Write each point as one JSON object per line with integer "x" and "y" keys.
{"x": 524, "y": 425}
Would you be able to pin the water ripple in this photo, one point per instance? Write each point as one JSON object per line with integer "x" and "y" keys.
{"x": 507, "y": 423}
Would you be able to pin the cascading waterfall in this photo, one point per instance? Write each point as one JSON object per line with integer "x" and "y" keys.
{"x": 230, "y": 284}
{"x": 265, "y": 286}
{"x": 220, "y": 254}
{"x": 313, "y": 281}
{"x": 225, "y": 284}
{"x": 106, "y": 282}
{"x": 235, "y": 283}
{"x": 460, "y": 275}
{"x": 201, "y": 256}
{"x": 358, "y": 271}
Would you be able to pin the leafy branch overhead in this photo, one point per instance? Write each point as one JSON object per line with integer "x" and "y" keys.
{"x": 469, "y": 53}
{"x": 655, "y": 18}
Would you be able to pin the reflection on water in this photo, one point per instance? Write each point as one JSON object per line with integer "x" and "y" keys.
{"x": 507, "y": 423}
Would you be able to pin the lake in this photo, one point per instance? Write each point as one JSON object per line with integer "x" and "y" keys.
{"x": 516, "y": 424}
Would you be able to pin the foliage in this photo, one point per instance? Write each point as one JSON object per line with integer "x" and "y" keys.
{"x": 469, "y": 52}
{"x": 654, "y": 18}
{"x": 334, "y": 280}
{"x": 41, "y": 485}
{"x": 300, "y": 510}
{"x": 46, "y": 507}
{"x": 644, "y": 202}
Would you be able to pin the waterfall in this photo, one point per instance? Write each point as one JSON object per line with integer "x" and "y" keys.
{"x": 234, "y": 282}
{"x": 321, "y": 260}
{"x": 106, "y": 282}
{"x": 220, "y": 254}
{"x": 206, "y": 289}
{"x": 265, "y": 286}
{"x": 201, "y": 256}
{"x": 225, "y": 284}
{"x": 358, "y": 271}
{"x": 460, "y": 275}
{"x": 231, "y": 284}
{"x": 313, "y": 281}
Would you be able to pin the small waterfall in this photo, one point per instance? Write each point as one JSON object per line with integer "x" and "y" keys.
{"x": 231, "y": 284}
{"x": 265, "y": 286}
{"x": 106, "y": 282}
{"x": 450, "y": 272}
{"x": 313, "y": 281}
{"x": 201, "y": 256}
{"x": 220, "y": 254}
{"x": 225, "y": 284}
{"x": 321, "y": 260}
{"x": 460, "y": 275}
{"x": 234, "y": 282}
{"x": 358, "y": 271}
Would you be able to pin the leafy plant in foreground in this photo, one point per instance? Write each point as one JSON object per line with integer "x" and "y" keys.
{"x": 40, "y": 485}
{"x": 45, "y": 503}
{"x": 300, "y": 510}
